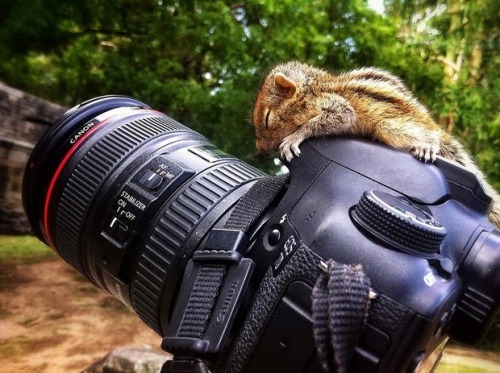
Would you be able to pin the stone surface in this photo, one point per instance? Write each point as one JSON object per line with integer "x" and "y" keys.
{"x": 130, "y": 360}
{"x": 23, "y": 119}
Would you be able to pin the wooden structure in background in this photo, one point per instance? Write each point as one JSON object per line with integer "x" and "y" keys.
{"x": 23, "y": 119}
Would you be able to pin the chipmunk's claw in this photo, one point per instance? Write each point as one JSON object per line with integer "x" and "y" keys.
{"x": 425, "y": 152}
{"x": 290, "y": 147}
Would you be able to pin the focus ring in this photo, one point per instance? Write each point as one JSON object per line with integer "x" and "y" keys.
{"x": 89, "y": 174}
{"x": 172, "y": 231}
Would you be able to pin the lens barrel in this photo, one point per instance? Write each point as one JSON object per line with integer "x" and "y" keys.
{"x": 125, "y": 194}
{"x": 51, "y": 149}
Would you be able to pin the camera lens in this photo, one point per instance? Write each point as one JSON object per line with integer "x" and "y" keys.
{"x": 125, "y": 194}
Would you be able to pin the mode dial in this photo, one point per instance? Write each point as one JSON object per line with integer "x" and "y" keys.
{"x": 399, "y": 223}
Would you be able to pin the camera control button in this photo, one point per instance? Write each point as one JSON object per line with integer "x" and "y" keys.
{"x": 274, "y": 237}
{"x": 161, "y": 174}
{"x": 118, "y": 230}
{"x": 150, "y": 180}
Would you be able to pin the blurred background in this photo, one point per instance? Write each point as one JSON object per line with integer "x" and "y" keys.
{"x": 201, "y": 62}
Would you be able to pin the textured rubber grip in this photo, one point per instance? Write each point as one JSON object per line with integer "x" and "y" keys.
{"x": 174, "y": 228}
{"x": 89, "y": 174}
{"x": 391, "y": 227}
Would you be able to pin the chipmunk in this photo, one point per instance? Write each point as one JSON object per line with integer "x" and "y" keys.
{"x": 298, "y": 101}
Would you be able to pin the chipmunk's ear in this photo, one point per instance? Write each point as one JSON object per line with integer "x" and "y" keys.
{"x": 285, "y": 86}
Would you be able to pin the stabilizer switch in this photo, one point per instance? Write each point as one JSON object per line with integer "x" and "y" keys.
{"x": 118, "y": 230}
{"x": 399, "y": 223}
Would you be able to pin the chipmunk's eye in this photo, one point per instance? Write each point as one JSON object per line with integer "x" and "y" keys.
{"x": 267, "y": 118}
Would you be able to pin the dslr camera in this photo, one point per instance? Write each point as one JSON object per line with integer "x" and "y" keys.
{"x": 222, "y": 260}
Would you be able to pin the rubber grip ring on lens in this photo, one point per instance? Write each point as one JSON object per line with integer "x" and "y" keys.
{"x": 175, "y": 226}
{"x": 89, "y": 174}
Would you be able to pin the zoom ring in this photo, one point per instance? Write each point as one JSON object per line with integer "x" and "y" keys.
{"x": 174, "y": 228}
{"x": 89, "y": 174}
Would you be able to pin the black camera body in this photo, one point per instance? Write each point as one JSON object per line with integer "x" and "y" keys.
{"x": 426, "y": 289}
{"x": 139, "y": 204}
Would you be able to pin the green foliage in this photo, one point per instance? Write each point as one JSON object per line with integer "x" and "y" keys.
{"x": 199, "y": 61}
{"x": 459, "y": 40}
{"x": 202, "y": 61}
{"x": 445, "y": 367}
{"x": 478, "y": 124}
{"x": 23, "y": 249}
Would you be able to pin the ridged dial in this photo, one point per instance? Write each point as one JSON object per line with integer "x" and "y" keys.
{"x": 399, "y": 223}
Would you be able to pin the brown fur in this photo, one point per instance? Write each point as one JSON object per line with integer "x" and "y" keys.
{"x": 298, "y": 101}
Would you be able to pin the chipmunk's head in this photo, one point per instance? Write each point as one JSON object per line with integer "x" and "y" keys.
{"x": 282, "y": 105}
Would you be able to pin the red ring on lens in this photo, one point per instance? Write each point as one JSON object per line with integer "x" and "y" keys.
{"x": 56, "y": 176}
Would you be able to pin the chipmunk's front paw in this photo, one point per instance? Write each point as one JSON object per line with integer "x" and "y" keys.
{"x": 290, "y": 146}
{"x": 425, "y": 151}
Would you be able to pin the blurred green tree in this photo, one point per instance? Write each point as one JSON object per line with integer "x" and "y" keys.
{"x": 199, "y": 61}
{"x": 461, "y": 39}
{"x": 202, "y": 61}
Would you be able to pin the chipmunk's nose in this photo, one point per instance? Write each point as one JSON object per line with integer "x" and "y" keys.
{"x": 259, "y": 145}
{"x": 263, "y": 146}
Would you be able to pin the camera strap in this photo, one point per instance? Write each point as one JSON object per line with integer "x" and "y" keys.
{"x": 340, "y": 302}
{"x": 214, "y": 283}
